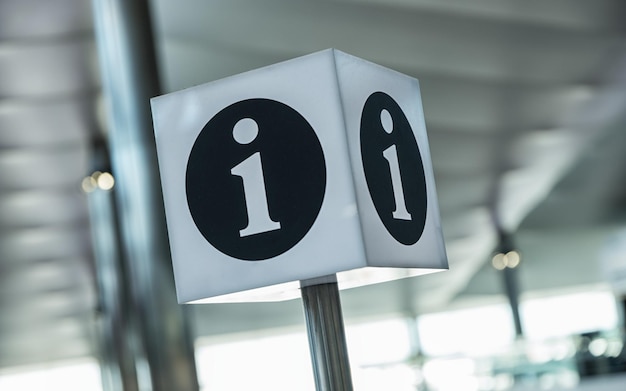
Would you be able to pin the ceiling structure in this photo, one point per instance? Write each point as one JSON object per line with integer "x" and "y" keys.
{"x": 524, "y": 105}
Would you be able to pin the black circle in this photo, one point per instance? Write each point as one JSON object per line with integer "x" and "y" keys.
{"x": 376, "y": 137}
{"x": 293, "y": 169}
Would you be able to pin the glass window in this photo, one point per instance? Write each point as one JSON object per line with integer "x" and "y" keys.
{"x": 476, "y": 331}
{"x": 80, "y": 376}
{"x": 566, "y": 315}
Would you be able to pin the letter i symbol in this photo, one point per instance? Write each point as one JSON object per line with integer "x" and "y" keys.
{"x": 250, "y": 170}
{"x": 391, "y": 155}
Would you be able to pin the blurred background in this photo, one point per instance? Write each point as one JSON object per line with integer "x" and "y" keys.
{"x": 525, "y": 106}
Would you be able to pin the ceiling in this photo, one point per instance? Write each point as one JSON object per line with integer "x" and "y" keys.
{"x": 524, "y": 104}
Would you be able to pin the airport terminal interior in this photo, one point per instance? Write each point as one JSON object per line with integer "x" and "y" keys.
{"x": 525, "y": 109}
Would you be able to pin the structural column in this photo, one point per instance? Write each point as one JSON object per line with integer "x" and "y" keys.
{"x": 509, "y": 263}
{"x": 324, "y": 320}
{"x": 164, "y": 351}
{"x": 116, "y": 336}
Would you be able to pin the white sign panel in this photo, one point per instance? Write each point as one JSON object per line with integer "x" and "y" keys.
{"x": 312, "y": 167}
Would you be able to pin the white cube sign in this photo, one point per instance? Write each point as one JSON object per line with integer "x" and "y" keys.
{"x": 308, "y": 168}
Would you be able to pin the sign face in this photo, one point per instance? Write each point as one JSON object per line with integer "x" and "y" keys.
{"x": 393, "y": 168}
{"x": 309, "y": 168}
{"x": 256, "y": 179}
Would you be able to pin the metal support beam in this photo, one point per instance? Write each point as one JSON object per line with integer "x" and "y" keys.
{"x": 511, "y": 287}
{"x": 117, "y": 360}
{"x": 327, "y": 341}
{"x": 510, "y": 279}
{"x": 128, "y": 65}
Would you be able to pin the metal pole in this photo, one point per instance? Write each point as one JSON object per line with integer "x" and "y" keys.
{"x": 164, "y": 355}
{"x": 511, "y": 283}
{"x": 327, "y": 341}
{"x": 116, "y": 357}
{"x": 511, "y": 287}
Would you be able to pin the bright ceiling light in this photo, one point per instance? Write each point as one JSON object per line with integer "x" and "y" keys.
{"x": 511, "y": 260}
{"x": 88, "y": 184}
{"x": 98, "y": 180}
{"x": 498, "y": 261}
{"x": 105, "y": 181}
